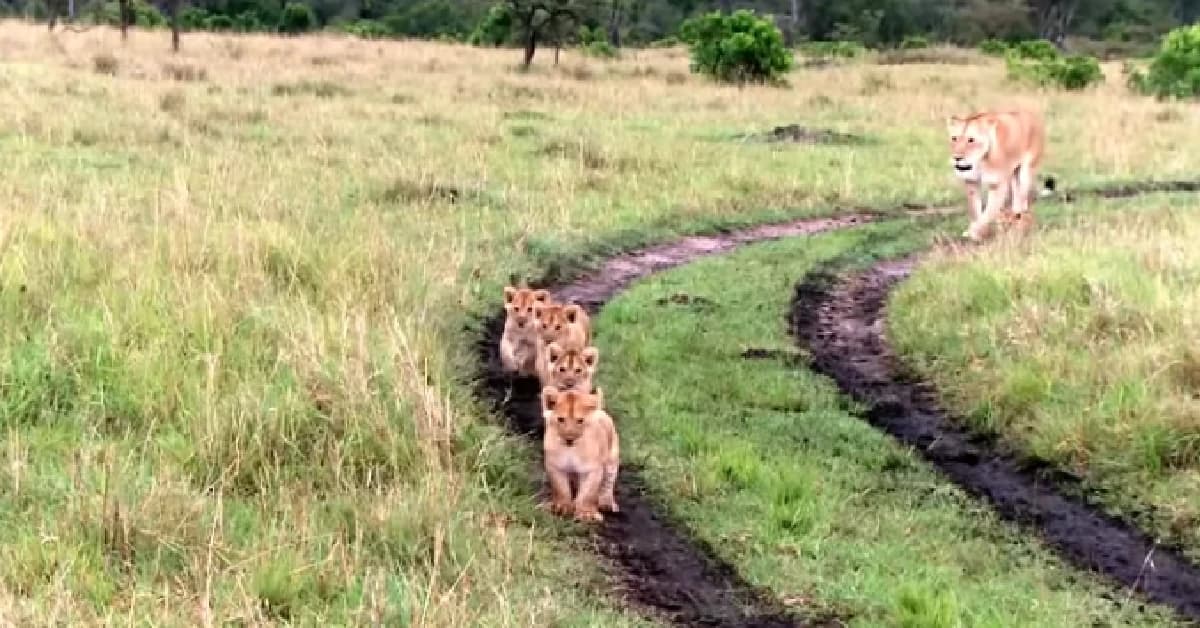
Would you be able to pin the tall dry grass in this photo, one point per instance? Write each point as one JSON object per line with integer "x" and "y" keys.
{"x": 235, "y": 281}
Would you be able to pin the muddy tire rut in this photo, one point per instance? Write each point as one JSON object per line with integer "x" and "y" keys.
{"x": 840, "y": 321}
{"x": 656, "y": 564}
{"x": 664, "y": 571}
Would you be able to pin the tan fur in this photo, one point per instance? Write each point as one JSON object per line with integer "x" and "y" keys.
{"x": 1001, "y": 151}
{"x": 519, "y": 344}
{"x": 567, "y": 324}
{"x": 581, "y": 445}
{"x": 571, "y": 368}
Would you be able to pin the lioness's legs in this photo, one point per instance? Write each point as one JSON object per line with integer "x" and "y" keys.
{"x": 587, "y": 501}
{"x": 560, "y": 491}
{"x": 996, "y": 199}
{"x": 1022, "y": 189}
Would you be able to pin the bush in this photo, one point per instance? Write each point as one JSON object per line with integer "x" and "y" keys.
{"x": 495, "y": 29}
{"x": 914, "y": 42}
{"x": 144, "y": 15}
{"x": 1072, "y": 73}
{"x": 665, "y": 42}
{"x": 1175, "y": 70}
{"x": 219, "y": 22}
{"x": 601, "y": 49}
{"x": 247, "y": 22}
{"x": 367, "y": 29}
{"x": 1034, "y": 50}
{"x": 739, "y": 47}
{"x": 193, "y": 19}
{"x": 993, "y": 47}
{"x": 297, "y": 18}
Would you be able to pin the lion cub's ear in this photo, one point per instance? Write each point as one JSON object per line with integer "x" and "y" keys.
{"x": 591, "y": 356}
{"x": 592, "y": 402}
{"x": 541, "y": 296}
{"x": 555, "y": 352}
{"x": 510, "y": 295}
{"x": 549, "y": 398}
{"x": 571, "y": 312}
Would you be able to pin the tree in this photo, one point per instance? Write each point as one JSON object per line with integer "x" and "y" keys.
{"x": 173, "y": 10}
{"x": 538, "y": 20}
{"x": 125, "y": 17}
{"x": 1054, "y": 18}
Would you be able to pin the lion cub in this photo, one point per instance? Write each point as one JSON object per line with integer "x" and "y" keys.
{"x": 519, "y": 344}
{"x": 565, "y": 323}
{"x": 571, "y": 368}
{"x": 581, "y": 445}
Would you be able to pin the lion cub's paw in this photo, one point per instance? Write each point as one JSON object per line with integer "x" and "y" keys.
{"x": 609, "y": 506}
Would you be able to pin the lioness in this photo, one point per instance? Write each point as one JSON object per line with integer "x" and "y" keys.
{"x": 580, "y": 445}
{"x": 1001, "y": 150}
{"x": 571, "y": 368}
{"x": 519, "y": 344}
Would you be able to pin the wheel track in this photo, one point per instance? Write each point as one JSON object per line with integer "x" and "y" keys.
{"x": 655, "y": 562}
{"x": 840, "y": 321}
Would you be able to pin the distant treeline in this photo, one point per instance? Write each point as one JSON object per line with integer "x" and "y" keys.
{"x": 640, "y": 22}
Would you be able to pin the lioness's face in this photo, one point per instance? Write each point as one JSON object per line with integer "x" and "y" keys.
{"x": 969, "y": 142}
{"x": 567, "y": 412}
{"x": 519, "y": 304}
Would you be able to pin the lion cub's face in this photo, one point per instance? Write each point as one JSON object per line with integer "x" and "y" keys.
{"x": 519, "y": 304}
{"x": 573, "y": 368}
{"x": 557, "y": 322}
{"x": 970, "y": 139}
{"x": 567, "y": 413}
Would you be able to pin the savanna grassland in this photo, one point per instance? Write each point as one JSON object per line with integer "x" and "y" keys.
{"x": 237, "y": 282}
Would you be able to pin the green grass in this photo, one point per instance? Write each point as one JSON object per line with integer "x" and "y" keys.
{"x": 235, "y": 284}
{"x": 768, "y": 463}
{"x": 1079, "y": 348}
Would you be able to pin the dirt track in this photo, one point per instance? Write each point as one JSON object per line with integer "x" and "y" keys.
{"x": 841, "y": 322}
{"x": 659, "y": 567}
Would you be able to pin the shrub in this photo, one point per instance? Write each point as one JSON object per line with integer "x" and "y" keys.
{"x": 193, "y": 19}
{"x": 247, "y": 22}
{"x": 297, "y": 18}
{"x": 144, "y": 15}
{"x": 1034, "y": 50}
{"x": 739, "y": 47}
{"x": 993, "y": 47}
{"x": 1074, "y": 72}
{"x": 601, "y": 49}
{"x": 1175, "y": 70}
{"x": 367, "y": 29}
{"x": 495, "y": 29}
{"x": 914, "y": 42}
{"x": 219, "y": 22}
{"x": 665, "y": 42}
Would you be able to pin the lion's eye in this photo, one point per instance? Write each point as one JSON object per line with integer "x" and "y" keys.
{"x": 970, "y": 140}
{"x": 953, "y": 138}
{"x": 560, "y": 419}
{"x": 579, "y": 421}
